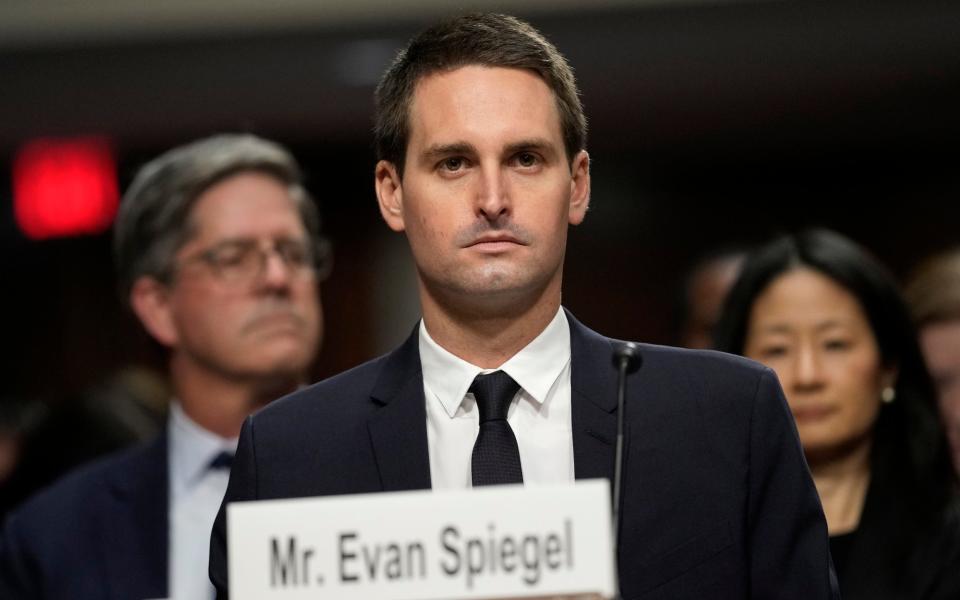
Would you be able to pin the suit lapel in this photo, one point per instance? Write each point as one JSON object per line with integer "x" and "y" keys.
{"x": 135, "y": 530}
{"x": 398, "y": 430}
{"x": 594, "y": 402}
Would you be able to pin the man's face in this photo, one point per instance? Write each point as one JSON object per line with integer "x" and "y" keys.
{"x": 941, "y": 349}
{"x": 264, "y": 324}
{"x": 487, "y": 192}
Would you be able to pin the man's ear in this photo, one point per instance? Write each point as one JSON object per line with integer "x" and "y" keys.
{"x": 150, "y": 301}
{"x": 389, "y": 194}
{"x": 579, "y": 187}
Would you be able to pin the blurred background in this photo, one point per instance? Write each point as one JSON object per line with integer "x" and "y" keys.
{"x": 713, "y": 125}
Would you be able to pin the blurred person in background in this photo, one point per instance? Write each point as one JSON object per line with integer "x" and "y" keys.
{"x": 219, "y": 255}
{"x": 933, "y": 295}
{"x": 18, "y": 417}
{"x": 830, "y": 321}
{"x": 704, "y": 290}
{"x": 129, "y": 406}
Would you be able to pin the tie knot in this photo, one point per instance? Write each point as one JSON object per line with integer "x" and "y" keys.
{"x": 223, "y": 460}
{"x": 494, "y": 392}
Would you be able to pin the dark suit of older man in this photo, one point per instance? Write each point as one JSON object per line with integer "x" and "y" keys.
{"x": 98, "y": 534}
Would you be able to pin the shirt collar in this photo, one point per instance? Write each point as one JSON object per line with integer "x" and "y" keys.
{"x": 192, "y": 447}
{"x": 536, "y": 367}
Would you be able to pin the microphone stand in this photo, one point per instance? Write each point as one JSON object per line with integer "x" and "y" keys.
{"x": 626, "y": 358}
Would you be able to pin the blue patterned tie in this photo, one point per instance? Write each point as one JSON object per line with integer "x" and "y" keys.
{"x": 496, "y": 457}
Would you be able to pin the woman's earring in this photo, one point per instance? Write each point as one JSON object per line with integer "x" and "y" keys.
{"x": 888, "y": 395}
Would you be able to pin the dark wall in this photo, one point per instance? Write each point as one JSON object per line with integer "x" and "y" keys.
{"x": 709, "y": 125}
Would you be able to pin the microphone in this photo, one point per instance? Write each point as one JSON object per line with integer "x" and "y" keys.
{"x": 627, "y": 359}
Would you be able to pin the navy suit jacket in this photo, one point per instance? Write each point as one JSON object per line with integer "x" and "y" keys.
{"x": 99, "y": 533}
{"x": 717, "y": 499}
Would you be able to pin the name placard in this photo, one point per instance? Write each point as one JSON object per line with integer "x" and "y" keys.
{"x": 491, "y": 542}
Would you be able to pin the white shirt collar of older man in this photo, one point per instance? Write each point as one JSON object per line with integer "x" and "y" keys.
{"x": 191, "y": 449}
{"x": 196, "y": 492}
{"x": 536, "y": 367}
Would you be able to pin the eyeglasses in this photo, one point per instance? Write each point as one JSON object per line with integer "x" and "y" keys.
{"x": 243, "y": 261}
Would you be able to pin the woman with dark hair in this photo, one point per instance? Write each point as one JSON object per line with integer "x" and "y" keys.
{"x": 829, "y": 320}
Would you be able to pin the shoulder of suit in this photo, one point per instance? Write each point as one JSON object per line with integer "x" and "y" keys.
{"x": 712, "y": 359}
{"x": 707, "y": 373}
{"x": 75, "y": 492}
{"x": 669, "y": 358}
{"x": 337, "y": 393}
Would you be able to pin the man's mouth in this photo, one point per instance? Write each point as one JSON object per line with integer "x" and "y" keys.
{"x": 277, "y": 319}
{"x": 495, "y": 242}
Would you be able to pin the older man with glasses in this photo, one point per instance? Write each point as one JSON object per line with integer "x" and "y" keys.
{"x": 219, "y": 255}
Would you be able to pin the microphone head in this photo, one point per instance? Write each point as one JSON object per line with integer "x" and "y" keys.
{"x": 628, "y": 354}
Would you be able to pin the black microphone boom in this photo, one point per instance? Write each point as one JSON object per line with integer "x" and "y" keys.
{"x": 627, "y": 353}
{"x": 626, "y": 358}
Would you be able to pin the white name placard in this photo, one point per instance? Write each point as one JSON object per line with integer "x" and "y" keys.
{"x": 491, "y": 542}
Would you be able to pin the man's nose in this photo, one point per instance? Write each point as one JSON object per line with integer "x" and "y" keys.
{"x": 493, "y": 198}
{"x": 275, "y": 272}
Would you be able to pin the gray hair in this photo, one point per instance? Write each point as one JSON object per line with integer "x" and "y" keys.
{"x": 154, "y": 218}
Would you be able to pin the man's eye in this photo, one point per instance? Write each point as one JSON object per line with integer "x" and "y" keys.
{"x": 452, "y": 164}
{"x": 527, "y": 159}
{"x": 229, "y": 257}
{"x": 230, "y": 260}
{"x": 295, "y": 254}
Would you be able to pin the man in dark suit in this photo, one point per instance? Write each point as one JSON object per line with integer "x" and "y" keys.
{"x": 218, "y": 251}
{"x": 480, "y": 135}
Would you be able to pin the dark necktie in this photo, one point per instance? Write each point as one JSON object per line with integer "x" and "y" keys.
{"x": 223, "y": 460}
{"x": 496, "y": 457}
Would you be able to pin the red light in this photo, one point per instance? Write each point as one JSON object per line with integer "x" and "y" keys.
{"x": 64, "y": 187}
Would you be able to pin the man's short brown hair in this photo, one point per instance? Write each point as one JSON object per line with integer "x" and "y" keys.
{"x": 933, "y": 289}
{"x": 491, "y": 40}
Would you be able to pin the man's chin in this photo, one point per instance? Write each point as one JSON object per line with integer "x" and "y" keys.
{"x": 279, "y": 363}
{"x": 273, "y": 381}
{"x": 281, "y": 343}
{"x": 501, "y": 289}
{"x": 489, "y": 280}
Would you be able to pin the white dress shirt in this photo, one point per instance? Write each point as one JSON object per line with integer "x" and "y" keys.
{"x": 196, "y": 492}
{"x": 539, "y": 414}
